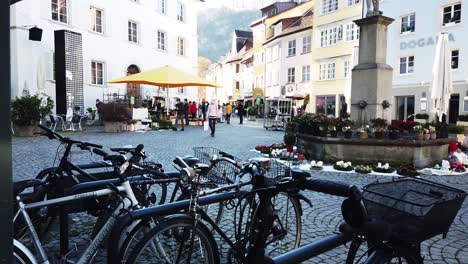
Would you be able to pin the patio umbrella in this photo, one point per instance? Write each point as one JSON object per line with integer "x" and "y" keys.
{"x": 441, "y": 86}
{"x": 165, "y": 77}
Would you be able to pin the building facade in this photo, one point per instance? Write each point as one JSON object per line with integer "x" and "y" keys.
{"x": 118, "y": 38}
{"x": 412, "y": 41}
{"x": 335, "y": 39}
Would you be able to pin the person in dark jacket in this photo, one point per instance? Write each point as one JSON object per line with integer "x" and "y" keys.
{"x": 180, "y": 115}
{"x": 204, "y": 108}
{"x": 186, "y": 112}
{"x": 240, "y": 112}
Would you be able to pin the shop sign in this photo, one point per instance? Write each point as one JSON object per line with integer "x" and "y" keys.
{"x": 422, "y": 42}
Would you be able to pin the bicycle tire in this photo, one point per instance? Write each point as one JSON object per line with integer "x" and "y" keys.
{"x": 21, "y": 255}
{"x": 380, "y": 256}
{"x": 167, "y": 228}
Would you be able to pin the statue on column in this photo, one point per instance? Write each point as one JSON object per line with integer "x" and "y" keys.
{"x": 373, "y": 8}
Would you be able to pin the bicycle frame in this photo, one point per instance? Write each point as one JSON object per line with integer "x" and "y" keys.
{"x": 127, "y": 203}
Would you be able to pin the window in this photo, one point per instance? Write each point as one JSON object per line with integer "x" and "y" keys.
{"x": 180, "y": 12}
{"x": 60, "y": 10}
{"x": 329, "y": 6}
{"x": 268, "y": 55}
{"x": 451, "y": 14}
{"x": 292, "y": 48}
{"x": 162, "y": 6}
{"x": 161, "y": 40}
{"x": 132, "y": 31}
{"x": 408, "y": 24}
{"x": 275, "y": 52}
{"x": 97, "y": 73}
{"x": 455, "y": 58}
{"x": 306, "y": 44}
{"x": 405, "y": 107}
{"x": 407, "y": 65}
{"x": 180, "y": 90}
{"x": 352, "y": 32}
{"x": 465, "y": 102}
{"x": 96, "y": 16}
{"x": 325, "y": 105}
{"x": 291, "y": 75}
{"x": 329, "y": 37}
{"x": 306, "y": 73}
{"x": 180, "y": 46}
{"x": 237, "y": 68}
{"x": 347, "y": 68}
{"x": 352, "y": 2}
{"x": 327, "y": 71}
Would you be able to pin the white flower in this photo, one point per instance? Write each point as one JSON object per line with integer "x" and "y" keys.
{"x": 295, "y": 156}
{"x": 349, "y": 163}
{"x": 379, "y": 165}
{"x": 319, "y": 164}
{"x": 312, "y": 163}
{"x": 345, "y": 165}
{"x": 386, "y": 166}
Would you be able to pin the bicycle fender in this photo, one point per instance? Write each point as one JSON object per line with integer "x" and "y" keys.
{"x": 299, "y": 196}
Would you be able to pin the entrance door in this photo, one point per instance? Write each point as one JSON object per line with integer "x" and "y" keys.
{"x": 453, "y": 108}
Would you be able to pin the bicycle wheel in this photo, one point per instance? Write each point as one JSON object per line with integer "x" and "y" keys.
{"x": 21, "y": 255}
{"x": 380, "y": 256}
{"x": 169, "y": 242}
{"x": 392, "y": 259}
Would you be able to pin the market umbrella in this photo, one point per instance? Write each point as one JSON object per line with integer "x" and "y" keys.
{"x": 165, "y": 77}
{"x": 441, "y": 86}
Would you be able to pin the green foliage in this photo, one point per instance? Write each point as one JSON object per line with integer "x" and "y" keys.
{"x": 116, "y": 112}
{"x": 27, "y": 110}
{"x": 463, "y": 118}
{"x": 289, "y": 139}
{"x": 454, "y": 129}
{"x": 165, "y": 123}
{"x": 252, "y": 111}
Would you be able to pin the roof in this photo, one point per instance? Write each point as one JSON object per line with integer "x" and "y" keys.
{"x": 299, "y": 25}
{"x": 243, "y": 33}
{"x": 258, "y": 21}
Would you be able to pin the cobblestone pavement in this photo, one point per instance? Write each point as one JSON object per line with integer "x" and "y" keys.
{"x": 31, "y": 155}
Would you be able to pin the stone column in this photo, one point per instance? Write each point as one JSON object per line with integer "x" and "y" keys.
{"x": 372, "y": 76}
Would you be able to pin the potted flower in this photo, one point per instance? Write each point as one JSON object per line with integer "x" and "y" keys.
{"x": 394, "y": 132}
{"x": 348, "y": 133}
{"x": 323, "y": 130}
{"x": 383, "y": 168}
{"x": 408, "y": 171}
{"x": 252, "y": 111}
{"x": 333, "y": 132}
{"x": 433, "y": 132}
{"x": 365, "y": 169}
{"x": 363, "y": 132}
{"x": 27, "y": 111}
{"x": 379, "y": 125}
{"x": 343, "y": 166}
{"x": 426, "y": 134}
{"x": 316, "y": 165}
{"x": 419, "y": 130}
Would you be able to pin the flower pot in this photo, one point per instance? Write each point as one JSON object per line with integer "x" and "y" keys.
{"x": 394, "y": 135}
{"x": 363, "y": 136}
{"x": 434, "y": 135}
{"x": 333, "y": 133}
{"x": 427, "y": 136}
{"x": 24, "y": 131}
{"x": 379, "y": 134}
{"x": 419, "y": 136}
{"x": 348, "y": 134}
{"x": 113, "y": 127}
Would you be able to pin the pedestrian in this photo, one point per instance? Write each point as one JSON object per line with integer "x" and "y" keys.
{"x": 204, "y": 108}
{"x": 180, "y": 115}
{"x": 193, "y": 110}
{"x": 186, "y": 111}
{"x": 99, "y": 105}
{"x": 224, "y": 112}
{"x": 228, "y": 113}
{"x": 213, "y": 114}
{"x": 240, "y": 112}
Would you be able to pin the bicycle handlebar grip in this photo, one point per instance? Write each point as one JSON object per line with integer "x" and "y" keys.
{"x": 92, "y": 145}
{"x": 333, "y": 188}
{"x": 100, "y": 152}
{"x": 156, "y": 173}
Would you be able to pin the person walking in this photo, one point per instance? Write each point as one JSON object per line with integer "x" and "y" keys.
{"x": 204, "y": 108}
{"x": 213, "y": 114}
{"x": 186, "y": 111}
{"x": 193, "y": 110}
{"x": 228, "y": 113}
{"x": 240, "y": 112}
{"x": 180, "y": 115}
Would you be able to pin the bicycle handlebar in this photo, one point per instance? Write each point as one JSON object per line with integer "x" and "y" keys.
{"x": 333, "y": 188}
{"x": 54, "y": 135}
{"x": 100, "y": 152}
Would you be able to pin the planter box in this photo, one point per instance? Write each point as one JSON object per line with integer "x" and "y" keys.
{"x": 420, "y": 153}
{"x": 24, "y": 131}
{"x": 113, "y": 127}
{"x": 422, "y": 121}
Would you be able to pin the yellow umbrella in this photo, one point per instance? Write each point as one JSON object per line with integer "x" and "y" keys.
{"x": 166, "y": 77}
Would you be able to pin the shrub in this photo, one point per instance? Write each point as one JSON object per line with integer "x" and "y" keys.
{"x": 252, "y": 111}
{"x": 454, "y": 129}
{"x": 116, "y": 112}
{"x": 27, "y": 110}
{"x": 289, "y": 139}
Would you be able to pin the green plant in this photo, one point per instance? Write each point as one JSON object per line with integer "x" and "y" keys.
{"x": 252, "y": 111}
{"x": 116, "y": 112}
{"x": 27, "y": 110}
{"x": 418, "y": 129}
{"x": 422, "y": 116}
{"x": 290, "y": 139}
{"x": 463, "y": 118}
{"x": 363, "y": 169}
{"x": 454, "y": 129}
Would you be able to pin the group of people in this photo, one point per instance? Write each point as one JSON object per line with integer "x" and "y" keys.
{"x": 212, "y": 112}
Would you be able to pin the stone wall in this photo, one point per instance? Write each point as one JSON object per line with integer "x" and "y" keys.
{"x": 420, "y": 153}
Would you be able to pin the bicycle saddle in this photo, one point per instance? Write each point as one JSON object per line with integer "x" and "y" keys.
{"x": 20, "y": 186}
{"x": 299, "y": 174}
{"x": 190, "y": 160}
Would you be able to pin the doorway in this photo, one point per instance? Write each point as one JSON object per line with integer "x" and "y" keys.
{"x": 454, "y": 105}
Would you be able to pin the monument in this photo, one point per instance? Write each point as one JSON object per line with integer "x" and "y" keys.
{"x": 371, "y": 88}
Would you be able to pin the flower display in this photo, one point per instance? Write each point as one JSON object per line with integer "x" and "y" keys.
{"x": 385, "y": 168}
{"x": 343, "y": 166}
{"x": 363, "y": 169}
{"x": 408, "y": 171}
{"x": 316, "y": 165}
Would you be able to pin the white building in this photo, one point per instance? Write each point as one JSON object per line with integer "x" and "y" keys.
{"x": 412, "y": 40}
{"x": 118, "y": 37}
{"x": 289, "y": 57}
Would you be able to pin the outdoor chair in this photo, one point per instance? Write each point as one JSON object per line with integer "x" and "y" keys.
{"x": 53, "y": 122}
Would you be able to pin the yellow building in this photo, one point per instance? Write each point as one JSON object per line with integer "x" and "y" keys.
{"x": 334, "y": 41}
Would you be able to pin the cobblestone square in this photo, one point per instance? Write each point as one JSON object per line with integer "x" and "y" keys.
{"x": 31, "y": 155}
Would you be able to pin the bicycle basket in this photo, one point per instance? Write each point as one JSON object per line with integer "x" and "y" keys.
{"x": 417, "y": 209}
{"x": 222, "y": 172}
{"x": 204, "y": 154}
{"x": 278, "y": 170}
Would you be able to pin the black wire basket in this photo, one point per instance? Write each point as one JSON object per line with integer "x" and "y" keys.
{"x": 417, "y": 209}
{"x": 221, "y": 171}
